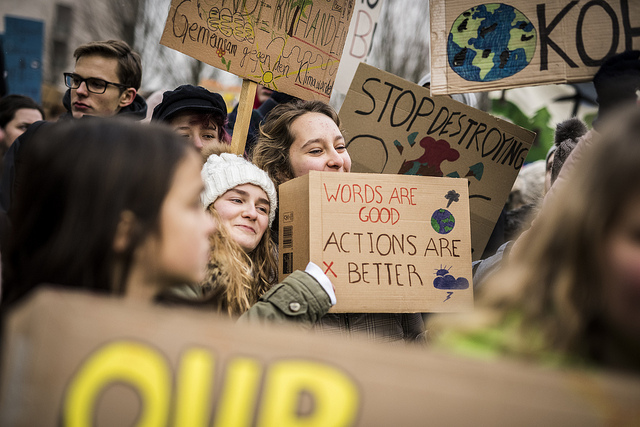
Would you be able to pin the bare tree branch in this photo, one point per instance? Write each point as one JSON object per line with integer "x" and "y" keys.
{"x": 401, "y": 41}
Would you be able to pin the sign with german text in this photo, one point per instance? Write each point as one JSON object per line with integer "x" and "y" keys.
{"x": 488, "y": 46}
{"x": 394, "y": 126}
{"x": 291, "y": 46}
{"x": 389, "y": 244}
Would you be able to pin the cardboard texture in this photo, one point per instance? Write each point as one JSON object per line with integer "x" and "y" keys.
{"x": 396, "y": 127}
{"x": 358, "y": 43}
{"x": 76, "y": 360}
{"x": 389, "y": 244}
{"x": 288, "y": 46}
{"x": 488, "y": 46}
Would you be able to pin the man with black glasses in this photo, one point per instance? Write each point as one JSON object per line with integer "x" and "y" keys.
{"x": 105, "y": 81}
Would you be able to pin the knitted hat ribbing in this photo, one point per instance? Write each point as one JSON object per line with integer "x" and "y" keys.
{"x": 226, "y": 171}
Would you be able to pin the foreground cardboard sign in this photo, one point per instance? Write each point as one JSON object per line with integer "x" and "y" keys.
{"x": 389, "y": 244}
{"x": 289, "y": 46}
{"x": 396, "y": 127}
{"x": 486, "y": 46}
{"x": 79, "y": 360}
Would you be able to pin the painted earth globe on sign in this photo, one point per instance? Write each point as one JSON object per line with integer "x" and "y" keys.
{"x": 490, "y": 42}
{"x": 442, "y": 221}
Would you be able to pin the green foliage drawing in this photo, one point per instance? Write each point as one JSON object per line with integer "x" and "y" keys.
{"x": 227, "y": 64}
{"x": 300, "y": 6}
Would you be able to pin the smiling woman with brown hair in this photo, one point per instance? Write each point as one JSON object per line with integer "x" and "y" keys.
{"x": 302, "y": 136}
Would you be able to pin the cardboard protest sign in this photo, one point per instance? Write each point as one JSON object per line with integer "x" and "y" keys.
{"x": 389, "y": 244}
{"x": 487, "y": 46}
{"x": 394, "y": 126}
{"x": 78, "y": 360}
{"x": 288, "y": 46}
{"x": 358, "y": 42}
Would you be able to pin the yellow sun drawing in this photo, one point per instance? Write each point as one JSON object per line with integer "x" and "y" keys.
{"x": 267, "y": 79}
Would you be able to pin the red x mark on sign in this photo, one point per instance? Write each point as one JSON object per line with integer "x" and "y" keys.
{"x": 329, "y": 268}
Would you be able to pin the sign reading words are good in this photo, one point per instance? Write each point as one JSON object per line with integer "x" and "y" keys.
{"x": 388, "y": 243}
{"x": 479, "y": 46}
{"x": 291, "y": 46}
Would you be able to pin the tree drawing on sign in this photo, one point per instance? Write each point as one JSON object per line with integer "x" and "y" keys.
{"x": 299, "y": 6}
{"x": 435, "y": 152}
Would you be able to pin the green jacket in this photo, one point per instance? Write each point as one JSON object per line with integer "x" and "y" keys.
{"x": 299, "y": 299}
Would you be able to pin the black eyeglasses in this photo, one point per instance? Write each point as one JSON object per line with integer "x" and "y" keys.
{"x": 73, "y": 81}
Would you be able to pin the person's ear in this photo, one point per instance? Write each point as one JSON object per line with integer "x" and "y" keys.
{"x": 127, "y": 96}
{"x": 124, "y": 232}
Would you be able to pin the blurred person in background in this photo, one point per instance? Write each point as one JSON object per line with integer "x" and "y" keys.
{"x": 572, "y": 297}
{"x": 17, "y": 113}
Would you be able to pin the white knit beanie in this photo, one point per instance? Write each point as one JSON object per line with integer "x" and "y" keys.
{"x": 226, "y": 171}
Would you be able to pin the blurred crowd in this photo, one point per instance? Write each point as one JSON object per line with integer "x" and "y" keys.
{"x": 121, "y": 197}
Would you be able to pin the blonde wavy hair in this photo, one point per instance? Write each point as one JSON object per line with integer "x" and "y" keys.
{"x": 553, "y": 281}
{"x": 235, "y": 280}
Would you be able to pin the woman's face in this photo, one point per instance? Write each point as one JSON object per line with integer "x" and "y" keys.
{"x": 621, "y": 291}
{"x": 22, "y": 119}
{"x": 203, "y": 135}
{"x": 244, "y": 211}
{"x": 179, "y": 253}
{"x": 318, "y": 145}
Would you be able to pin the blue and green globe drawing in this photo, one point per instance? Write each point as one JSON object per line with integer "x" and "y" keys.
{"x": 442, "y": 221}
{"x": 490, "y": 42}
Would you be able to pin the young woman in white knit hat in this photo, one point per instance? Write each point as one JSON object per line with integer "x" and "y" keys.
{"x": 242, "y": 266}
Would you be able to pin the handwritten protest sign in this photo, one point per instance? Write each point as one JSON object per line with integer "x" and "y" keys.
{"x": 292, "y": 46}
{"x": 487, "y": 46}
{"x": 388, "y": 243}
{"x": 358, "y": 43}
{"x": 129, "y": 364}
{"x": 395, "y": 126}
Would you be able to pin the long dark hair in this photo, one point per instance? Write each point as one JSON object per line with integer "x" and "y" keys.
{"x": 74, "y": 183}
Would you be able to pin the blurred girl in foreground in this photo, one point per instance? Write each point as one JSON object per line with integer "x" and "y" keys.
{"x": 110, "y": 206}
{"x": 113, "y": 207}
{"x": 571, "y": 294}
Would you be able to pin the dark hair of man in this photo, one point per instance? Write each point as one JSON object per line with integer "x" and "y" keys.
{"x": 12, "y": 103}
{"x": 129, "y": 62}
{"x": 74, "y": 183}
